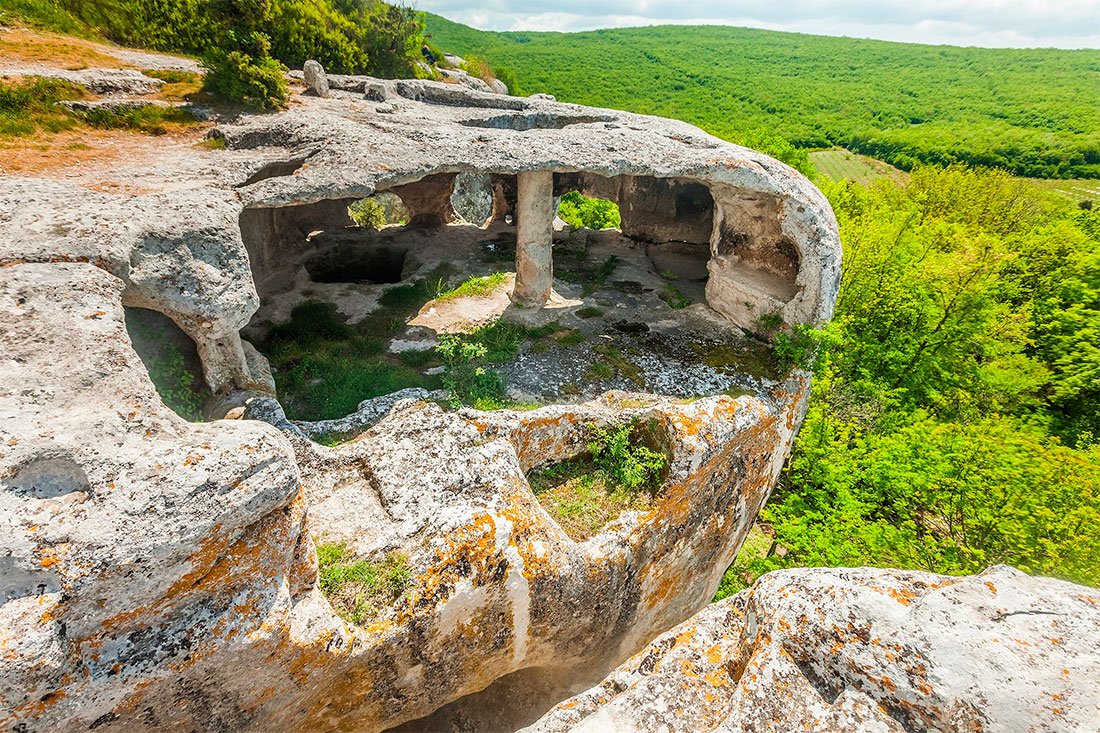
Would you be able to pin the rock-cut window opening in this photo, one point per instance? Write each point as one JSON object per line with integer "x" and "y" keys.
{"x": 380, "y": 210}
{"x": 172, "y": 360}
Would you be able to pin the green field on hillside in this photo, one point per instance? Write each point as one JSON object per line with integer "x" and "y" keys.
{"x": 1073, "y": 189}
{"x": 840, "y": 164}
{"x": 1031, "y": 112}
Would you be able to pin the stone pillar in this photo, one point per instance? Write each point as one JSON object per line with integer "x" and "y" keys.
{"x": 534, "y": 239}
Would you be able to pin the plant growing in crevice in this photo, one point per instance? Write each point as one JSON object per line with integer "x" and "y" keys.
{"x": 803, "y": 347}
{"x": 167, "y": 366}
{"x": 589, "y": 311}
{"x": 358, "y": 590}
{"x": 625, "y": 460}
{"x": 618, "y": 473}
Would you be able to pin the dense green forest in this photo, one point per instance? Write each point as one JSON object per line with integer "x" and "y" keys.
{"x": 956, "y": 409}
{"x": 1032, "y": 112}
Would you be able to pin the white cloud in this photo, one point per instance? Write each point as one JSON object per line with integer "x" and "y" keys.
{"x": 995, "y": 23}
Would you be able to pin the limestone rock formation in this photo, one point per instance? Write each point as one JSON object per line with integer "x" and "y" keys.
{"x": 867, "y": 650}
{"x": 772, "y": 236}
{"x": 316, "y": 80}
{"x": 98, "y": 81}
{"x": 162, "y": 574}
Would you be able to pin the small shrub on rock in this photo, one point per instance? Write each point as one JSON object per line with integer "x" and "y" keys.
{"x": 626, "y": 461}
{"x": 247, "y": 75}
{"x": 368, "y": 213}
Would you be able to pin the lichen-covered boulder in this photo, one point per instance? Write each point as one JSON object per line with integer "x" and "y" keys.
{"x": 863, "y": 649}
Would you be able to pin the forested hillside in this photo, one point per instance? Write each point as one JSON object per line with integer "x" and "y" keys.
{"x": 956, "y": 406}
{"x": 347, "y": 36}
{"x": 1031, "y": 112}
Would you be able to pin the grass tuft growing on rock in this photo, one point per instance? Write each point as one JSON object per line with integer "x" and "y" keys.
{"x": 674, "y": 297}
{"x": 618, "y": 473}
{"x": 32, "y": 106}
{"x": 358, "y": 590}
{"x": 475, "y": 287}
{"x": 151, "y": 119}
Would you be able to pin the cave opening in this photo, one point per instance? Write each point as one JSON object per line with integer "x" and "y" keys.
{"x": 357, "y": 294}
{"x": 348, "y": 263}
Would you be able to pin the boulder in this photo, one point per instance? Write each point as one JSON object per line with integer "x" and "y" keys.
{"x": 458, "y": 76}
{"x": 472, "y": 198}
{"x": 862, "y": 649}
{"x": 315, "y": 78}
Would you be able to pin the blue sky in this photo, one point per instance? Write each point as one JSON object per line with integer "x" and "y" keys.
{"x": 995, "y": 23}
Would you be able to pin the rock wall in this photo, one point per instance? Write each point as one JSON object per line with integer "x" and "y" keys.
{"x": 161, "y": 573}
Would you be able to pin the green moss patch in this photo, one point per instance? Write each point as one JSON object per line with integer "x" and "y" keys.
{"x": 619, "y": 363}
{"x": 742, "y": 356}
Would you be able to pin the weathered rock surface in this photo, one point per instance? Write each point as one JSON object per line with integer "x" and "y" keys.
{"x": 863, "y": 649}
{"x": 98, "y": 81}
{"x": 315, "y": 78}
{"x": 113, "y": 105}
{"x": 162, "y": 574}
